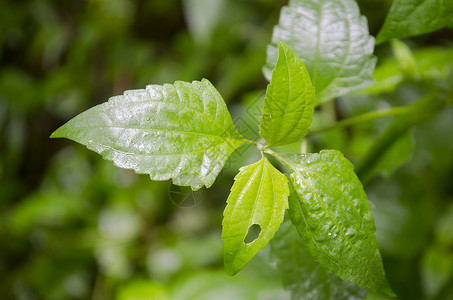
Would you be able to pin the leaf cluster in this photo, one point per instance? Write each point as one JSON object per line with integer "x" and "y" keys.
{"x": 320, "y": 50}
{"x": 184, "y": 132}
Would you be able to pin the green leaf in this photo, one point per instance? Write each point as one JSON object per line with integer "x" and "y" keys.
{"x": 412, "y": 17}
{"x": 259, "y": 197}
{"x": 383, "y": 146}
{"x": 329, "y": 208}
{"x": 388, "y": 77}
{"x": 436, "y": 270}
{"x": 289, "y": 103}
{"x": 181, "y": 131}
{"x": 302, "y": 275}
{"x": 434, "y": 62}
{"x": 430, "y": 63}
{"x": 396, "y": 155}
{"x": 404, "y": 56}
{"x": 202, "y": 17}
{"x": 332, "y": 39}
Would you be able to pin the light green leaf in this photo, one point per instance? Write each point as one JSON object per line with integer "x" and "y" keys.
{"x": 388, "y": 77}
{"x": 302, "y": 275}
{"x": 412, "y": 17}
{"x": 430, "y": 63}
{"x": 434, "y": 62}
{"x": 181, "y": 131}
{"x": 404, "y": 56}
{"x": 258, "y": 197}
{"x": 332, "y": 39}
{"x": 289, "y": 103}
{"x": 329, "y": 208}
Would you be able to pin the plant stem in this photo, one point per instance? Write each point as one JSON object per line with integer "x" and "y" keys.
{"x": 250, "y": 142}
{"x": 278, "y": 157}
{"x": 363, "y": 118}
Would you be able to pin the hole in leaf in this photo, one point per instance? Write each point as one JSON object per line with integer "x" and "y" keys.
{"x": 253, "y": 233}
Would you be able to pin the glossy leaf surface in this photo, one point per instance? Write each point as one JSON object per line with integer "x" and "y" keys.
{"x": 329, "y": 208}
{"x": 302, "y": 275}
{"x": 182, "y": 131}
{"x": 289, "y": 102}
{"x": 412, "y": 17}
{"x": 332, "y": 39}
{"x": 259, "y": 196}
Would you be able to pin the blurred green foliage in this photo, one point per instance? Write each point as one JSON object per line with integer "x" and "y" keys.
{"x": 73, "y": 226}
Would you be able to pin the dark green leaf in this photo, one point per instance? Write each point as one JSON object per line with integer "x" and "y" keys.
{"x": 259, "y": 196}
{"x": 396, "y": 155}
{"x": 329, "y": 208}
{"x": 436, "y": 270}
{"x": 332, "y": 39}
{"x": 302, "y": 275}
{"x": 181, "y": 131}
{"x": 379, "y": 150}
{"x": 289, "y": 103}
{"x": 412, "y": 17}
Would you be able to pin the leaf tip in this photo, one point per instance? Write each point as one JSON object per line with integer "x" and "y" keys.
{"x": 230, "y": 270}
{"x": 282, "y": 44}
{"x": 388, "y": 292}
{"x": 59, "y": 133}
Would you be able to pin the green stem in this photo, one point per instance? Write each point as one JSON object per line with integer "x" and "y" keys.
{"x": 278, "y": 157}
{"x": 250, "y": 142}
{"x": 363, "y": 118}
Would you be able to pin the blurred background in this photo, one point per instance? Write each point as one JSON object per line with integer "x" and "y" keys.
{"x": 73, "y": 226}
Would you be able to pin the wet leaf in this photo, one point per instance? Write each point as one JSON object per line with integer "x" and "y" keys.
{"x": 289, "y": 103}
{"x": 302, "y": 275}
{"x": 329, "y": 208}
{"x": 413, "y": 17}
{"x": 259, "y": 196}
{"x": 181, "y": 131}
{"x": 332, "y": 39}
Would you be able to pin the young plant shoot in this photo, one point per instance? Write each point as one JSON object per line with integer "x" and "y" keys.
{"x": 184, "y": 132}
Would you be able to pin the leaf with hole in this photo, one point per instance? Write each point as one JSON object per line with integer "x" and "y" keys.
{"x": 413, "y": 17}
{"x": 255, "y": 209}
{"x": 302, "y": 275}
{"x": 332, "y": 39}
{"x": 329, "y": 208}
{"x": 289, "y": 102}
{"x": 181, "y": 131}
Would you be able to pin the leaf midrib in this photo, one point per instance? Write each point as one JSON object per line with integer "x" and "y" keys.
{"x": 180, "y": 105}
{"x": 155, "y": 154}
{"x": 160, "y": 129}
